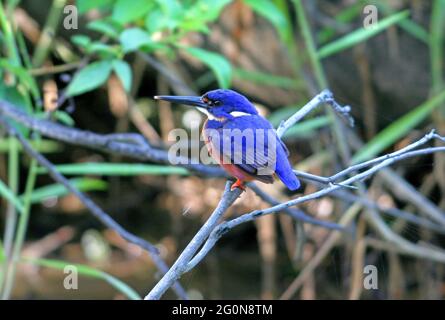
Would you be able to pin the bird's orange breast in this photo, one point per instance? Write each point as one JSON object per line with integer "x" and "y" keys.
{"x": 223, "y": 161}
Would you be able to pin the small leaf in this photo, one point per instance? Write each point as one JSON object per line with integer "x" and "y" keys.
{"x": 345, "y": 16}
{"x": 17, "y": 98}
{"x": 86, "y": 5}
{"x": 134, "y": 38}
{"x": 123, "y": 71}
{"x": 265, "y": 78}
{"x": 219, "y": 65}
{"x": 269, "y": 10}
{"x": 104, "y": 27}
{"x": 103, "y": 49}
{"x": 42, "y": 146}
{"x": 89, "y": 78}
{"x": 58, "y": 190}
{"x": 82, "y": 41}
{"x": 86, "y": 271}
{"x": 63, "y": 117}
{"x": 116, "y": 169}
{"x": 360, "y": 35}
{"x": 306, "y": 128}
{"x": 398, "y": 129}
{"x": 200, "y": 13}
{"x": 125, "y": 11}
{"x": 23, "y": 76}
{"x": 157, "y": 20}
{"x": 6, "y": 193}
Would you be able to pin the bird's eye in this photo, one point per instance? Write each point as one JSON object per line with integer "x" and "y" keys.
{"x": 217, "y": 103}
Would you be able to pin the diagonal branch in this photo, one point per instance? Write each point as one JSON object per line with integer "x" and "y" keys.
{"x": 179, "y": 267}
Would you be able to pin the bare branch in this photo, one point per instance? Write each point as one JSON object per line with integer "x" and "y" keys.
{"x": 325, "y": 96}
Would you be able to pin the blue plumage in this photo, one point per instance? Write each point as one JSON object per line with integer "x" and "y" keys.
{"x": 244, "y": 142}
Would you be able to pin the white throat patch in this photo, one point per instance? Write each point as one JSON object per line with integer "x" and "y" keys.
{"x": 239, "y": 114}
{"x": 233, "y": 113}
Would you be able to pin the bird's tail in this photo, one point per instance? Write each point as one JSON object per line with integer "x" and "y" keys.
{"x": 287, "y": 176}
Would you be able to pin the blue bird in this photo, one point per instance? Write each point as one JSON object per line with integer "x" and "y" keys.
{"x": 244, "y": 143}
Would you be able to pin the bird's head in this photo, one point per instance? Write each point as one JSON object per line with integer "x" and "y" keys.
{"x": 216, "y": 104}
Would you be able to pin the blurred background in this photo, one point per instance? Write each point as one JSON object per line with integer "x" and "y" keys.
{"x": 97, "y": 65}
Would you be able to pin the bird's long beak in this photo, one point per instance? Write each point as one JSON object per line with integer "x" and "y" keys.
{"x": 186, "y": 100}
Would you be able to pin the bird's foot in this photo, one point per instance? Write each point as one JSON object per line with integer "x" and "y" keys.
{"x": 238, "y": 184}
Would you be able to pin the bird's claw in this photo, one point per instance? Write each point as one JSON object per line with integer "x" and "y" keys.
{"x": 238, "y": 184}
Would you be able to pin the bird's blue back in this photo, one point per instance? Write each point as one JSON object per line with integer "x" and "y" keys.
{"x": 258, "y": 155}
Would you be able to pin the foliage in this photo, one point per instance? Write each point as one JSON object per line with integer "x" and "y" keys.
{"x": 145, "y": 27}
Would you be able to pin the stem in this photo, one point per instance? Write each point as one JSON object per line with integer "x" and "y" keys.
{"x": 12, "y": 52}
{"x": 436, "y": 45}
{"x": 21, "y": 230}
{"x": 11, "y": 212}
{"x": 310, "y": 45}
{"x": 47, "y": 37}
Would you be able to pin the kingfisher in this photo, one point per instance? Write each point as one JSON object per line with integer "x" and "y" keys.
{"x": 243, "y": 142}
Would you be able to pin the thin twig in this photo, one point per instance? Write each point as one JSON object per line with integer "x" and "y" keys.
{"x": 394, "y": 212}
{"x": 325, "y": 96}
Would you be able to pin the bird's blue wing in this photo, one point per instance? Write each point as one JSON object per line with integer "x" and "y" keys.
{"x": 249, "y": 142}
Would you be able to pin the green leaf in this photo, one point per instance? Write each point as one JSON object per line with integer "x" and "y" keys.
{"x": 171, "y": 8}
{"x": 271, "y": 12}
{"x": 89, "y": 78}
{"x": 42, "y": 146}
{"x": 219, "y": 65}
{"x": 265, "y": 78}
{"x": 307, "y": 128}
{"x": 23, "y": 76}
{"x": 123, "y": 71}
{"x": 408, "y": 25}
{"x": 81, "y": 41}
{"x": 103, "y": 49}
{"x": 63, "y": 117}
{"x": 86, "y": 5}
{"x": 17, "y": 98}
{"x": 117, "y": 169}
{"x": 360, "y": 35}
{"x": 134, "y": 38}
{"x": 104, "y": 27}
{"x": 398, "y": 129}
{"x": 6, "y": 193}
{"x": 86, "y": 271}
{"x": 156, "y": 20}
{"x": 58, "y": 190}
{"x": 196, "y": 17}
{"x": 345, "y": 16}
{"x": 125, "y": 11}
{"x": 437, "y": 37}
